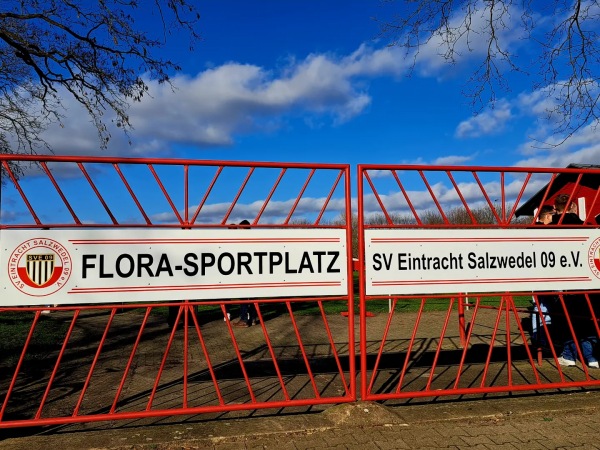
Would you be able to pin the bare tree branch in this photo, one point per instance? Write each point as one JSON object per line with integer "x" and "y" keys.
{"x": 562, "y": 33}
{"x": 94, "y": 51}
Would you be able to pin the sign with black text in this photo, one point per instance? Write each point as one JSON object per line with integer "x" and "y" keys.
{"x": 433, "y": 261}
{"x": 137, "y": 265}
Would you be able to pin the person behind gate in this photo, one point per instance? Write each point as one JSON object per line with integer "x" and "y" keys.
{"x": 248, "y": 316}
{"x": 540, "y": 318}
{"x": 576, "y": 307}
{"x": 568, "y": 213}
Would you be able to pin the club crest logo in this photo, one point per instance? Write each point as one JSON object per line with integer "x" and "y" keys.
{"x": 39, "y": 267}
{"x": 594, "y": 257}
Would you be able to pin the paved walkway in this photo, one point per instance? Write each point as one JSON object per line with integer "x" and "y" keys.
{"x": 548, "y": 421}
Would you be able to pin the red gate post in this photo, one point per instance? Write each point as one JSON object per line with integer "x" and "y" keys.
{"x": 462, "y": 328}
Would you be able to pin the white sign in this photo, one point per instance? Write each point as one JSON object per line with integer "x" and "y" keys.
{"x": 96, "y": 266}
{"x": 451, "y": 261}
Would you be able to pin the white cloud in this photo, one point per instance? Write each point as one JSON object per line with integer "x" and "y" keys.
{"x": 451, "y": 160}
{"x": 491, "y": 121}
{"x": 376, "y": 62}
{"x": 214, "y": 106}
{"x": 545, "y": 147}
{"x": 582, "y": 147}
{"x": 538, "y": 103}
{"x": 540, "y": 109}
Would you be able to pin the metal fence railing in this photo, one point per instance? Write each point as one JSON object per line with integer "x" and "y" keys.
{"x": 477, "y": 297}
{"x": 97, "y": 324}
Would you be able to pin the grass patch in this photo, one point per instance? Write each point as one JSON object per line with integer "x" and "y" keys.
{"x": 436, "y": 304}
{"x": 14, "y": 329}
{"x": 375, "y": 306}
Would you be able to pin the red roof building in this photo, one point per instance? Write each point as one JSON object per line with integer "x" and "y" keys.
{"x": 581, "y": 184}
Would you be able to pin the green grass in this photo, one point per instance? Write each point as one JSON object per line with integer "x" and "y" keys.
{"x": 375, "y": 306}
{"x": 14, "y": 329}
{"x": 379, "y": 306}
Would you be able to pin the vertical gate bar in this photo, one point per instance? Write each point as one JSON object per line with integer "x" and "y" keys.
{"x": 547, "y": 332}
{"x": 165, "y": 193}
{"x": 130, "y": 360}
{"x": 573, "y": 333}
{"x": 328, "y": 199}
{"x": 97, "y": 192}
{"x": 350, "y": 283}
{"x": 593, "y": 314}
{"x": 303, "y": 350}
{"x": 492, "y": 341}
{"x": 508, "y": 339}
{"x": 333, "y": 347}
{"x": 503, "y": 195}
{"x": 186, "y": 190}
{"x": 94, "y": 362}
{"x": 441, "y": 342}
{"x": 556, "y": 363}
{"x": 19, "y": 363}
{"x": 591, "y": 309}
{"x": 466, "y": 344}
{"x": 462, "y": 198}
{"x": 433, "y": 197}
{"x": 241, "y": 361}
{"x": 378, "y": 198}
{"x": 546, "y": 193}
{"x": 298, "y": 197}
{"x": 207, "y": 193}
{"x": 163, "y": 361}
{"x": 527, "y": 349}
{"x": 410, "y": 345}
{"x": 407, "y": 199}
{"x": 382, "y": 345}
{"x": 187, "y": 311}
{"x": 268, "y": 198}
{"x": 237, "y": 197}
{"x": 58, "y": 361}
{"x": 133, "y": 196}
{"x": 362, "y": 332}
{"x": 518, "y": 199}
{"x": 271, "y": 351}
{"x": 574, "y": 188}
{"x": 461, "y": 319}
{"x": 60, "y": 192}
{"x": 206, "y": 355}
{"x": 593, "y": 205}
{"x": 21, "y": 192}
{"x": 486, "y": 196}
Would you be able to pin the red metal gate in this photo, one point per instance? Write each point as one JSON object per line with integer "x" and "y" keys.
{"x": 420, "y": 337}
{"x": 89, "y": 362}
{"x": 428, "y": 336}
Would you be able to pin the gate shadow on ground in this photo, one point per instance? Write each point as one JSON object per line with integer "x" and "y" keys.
{"x": 477, "y": 356}
{"x": 289, "y": 368}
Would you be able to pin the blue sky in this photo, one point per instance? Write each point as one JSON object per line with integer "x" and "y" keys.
{"x": 311, "y": 81}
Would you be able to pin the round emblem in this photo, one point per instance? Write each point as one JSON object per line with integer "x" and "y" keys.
{"x": 39, "y": 267}
{"x": 594, "y": 257}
